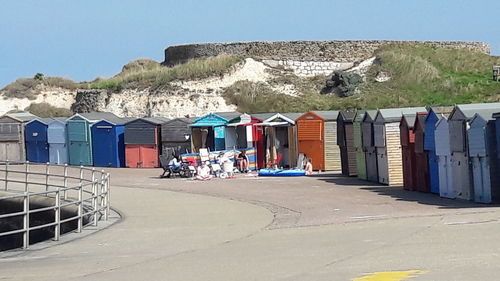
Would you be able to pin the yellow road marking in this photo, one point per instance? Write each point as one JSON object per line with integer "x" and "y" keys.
{"x": 390, "y": 276}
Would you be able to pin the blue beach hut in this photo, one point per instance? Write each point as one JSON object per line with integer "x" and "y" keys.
{"x": 108, "y": 145}
{"x": 434, "y": 115}
{"x": 80, "y": 136}
{"x": 209, "y": 131}
{"x": 443, "y": 152}
{"x": 459, "y": 122}
{"x": 57, "y": 141}
{"x": 483, "y": 158}
{"x": 37, "y": 146}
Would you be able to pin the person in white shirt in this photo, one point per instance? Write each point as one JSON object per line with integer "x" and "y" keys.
{"x": 175, "y": 164}
{"x": 204, "y": 172}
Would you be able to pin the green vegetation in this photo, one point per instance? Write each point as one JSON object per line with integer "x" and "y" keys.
{"x": 252, "y": 97}
{"x": 30, "y": 87}
{"x": 420, "y": 76}
{"x": 423, "y": 75}
{"x": 149, "y": 74}
{"x": 47, "y": 110}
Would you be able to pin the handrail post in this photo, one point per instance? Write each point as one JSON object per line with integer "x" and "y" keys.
{"x": 6, "y": 174}
{"x": 57, "y": 216}
{"x": 80, "y": 202}
{"x": 65, "y": 182}
{"x": 106, "y": 197}
{"x": 47, "y": 176}
{"x": 26, "y": 176}
{"x": 102, "y": 193}
{"x": 26, "y": 220}
{"x": 94, "y": 198}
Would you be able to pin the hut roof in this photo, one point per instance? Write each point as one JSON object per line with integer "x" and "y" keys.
{"x": 287, "y": 117}
{"x": 359, "y": 115}
{"x": 395, "y": 114}
{"x": 347, "y": 115}
{"x": 154, "y": 120}
{"x": 97, "y": 116}
{"x": 420, "y": 118}
{"x": 409, "y": 118}
{"x": 183, "y": 119}
{"x": 23, "y": 116}
{"x": 229, "y": 115}
{"x": 292, "y": 115}
{"x": 263, "y": 116}
{"x": 328, "y": 115}
{"x": 369, "y": 113}
{"x": 469, "y": 110}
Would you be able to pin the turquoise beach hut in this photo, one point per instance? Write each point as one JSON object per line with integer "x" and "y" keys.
{"x": 209, "y": 131}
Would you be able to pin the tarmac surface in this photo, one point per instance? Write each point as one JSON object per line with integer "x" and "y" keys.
{"x": 323, "y": 227}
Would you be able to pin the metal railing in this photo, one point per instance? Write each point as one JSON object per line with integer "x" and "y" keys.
{"x": 81, "y": 192}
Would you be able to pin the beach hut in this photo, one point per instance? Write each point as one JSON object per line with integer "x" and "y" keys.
{"x": 497, "y": 129}
{"x": 345, "y": 141}
{"x": 176, "y": 136}
{"x": 408, "y": 151}
{"x": 443, "y": 152}
{"x": 317, "y": 138}
{"x": 369, "y": 146}
{"x": 209, "y": 131}
{"x": 240, "y": 133}
{"x": 433, "y": 116}
{"x": 79, "y": 136}
{"x": 260, "y": 139}
{"x": 386, "y": 138}
{"x": 142, "y": 142}
{"x": 243, "y": 132}
{"x": 11, "y": 139}
{"x": 108, "y": 142}
{"x": 37, "y": 146}
{"x": 12, "y": 144}
{"x": 459, "y": 121}
{"x": 280, "y": 137}
{"x": 57, "y": 141}
{"x": 421, "y": 157}
{"x": 358, "y": 144}
{"x": 483, "y": 158}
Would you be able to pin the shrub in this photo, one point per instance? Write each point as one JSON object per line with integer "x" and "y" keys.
{"x": 21, "y": 88}
{"x": 46, "y": 110}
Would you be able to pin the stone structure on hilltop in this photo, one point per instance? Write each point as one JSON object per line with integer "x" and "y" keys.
{"x": 303, "y": 57}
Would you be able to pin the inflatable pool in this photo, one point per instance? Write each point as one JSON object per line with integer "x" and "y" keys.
{"x": 281, "y": 173}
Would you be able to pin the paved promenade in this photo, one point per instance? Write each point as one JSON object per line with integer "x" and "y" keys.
{"x": 315, "y": 228}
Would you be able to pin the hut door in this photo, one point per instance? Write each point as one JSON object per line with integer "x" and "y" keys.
{"x": 219, "y": 138}
{"x": 231, "y": 138}
{"x": 481, "y": 176}
{"x": 311, "y": 143}
{"x": 382, "y": 164}
{"x": 11, "y": 151}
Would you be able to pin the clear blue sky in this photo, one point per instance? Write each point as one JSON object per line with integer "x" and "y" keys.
{"x": 85, "y": 39}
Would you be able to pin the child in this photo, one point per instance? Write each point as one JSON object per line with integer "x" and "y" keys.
{"x": 309, "y": 167}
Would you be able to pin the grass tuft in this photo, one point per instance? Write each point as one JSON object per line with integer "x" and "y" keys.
{"x": 144, "y": 74}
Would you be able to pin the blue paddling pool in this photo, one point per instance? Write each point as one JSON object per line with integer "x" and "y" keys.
{"x": 281, "y": 173}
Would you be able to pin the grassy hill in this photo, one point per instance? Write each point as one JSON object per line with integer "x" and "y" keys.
{"x": 420, "y": 75}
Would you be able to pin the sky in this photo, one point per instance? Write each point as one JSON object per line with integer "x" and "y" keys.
{"x": 85, "y": 39}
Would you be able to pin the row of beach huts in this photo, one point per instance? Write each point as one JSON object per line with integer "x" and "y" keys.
{"x": 452, "y": 151}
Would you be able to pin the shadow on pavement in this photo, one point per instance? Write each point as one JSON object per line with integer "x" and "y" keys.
{"x": 400, "y": 194}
